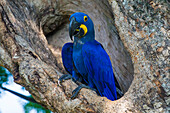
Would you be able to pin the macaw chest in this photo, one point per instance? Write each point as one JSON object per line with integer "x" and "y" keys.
{"x": 79, "y": 62}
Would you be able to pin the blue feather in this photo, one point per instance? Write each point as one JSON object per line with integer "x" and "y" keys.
{"x": 67, "y": 57}
{"x": 98, "y": 65}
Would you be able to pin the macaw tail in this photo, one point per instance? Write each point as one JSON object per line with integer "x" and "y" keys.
{"x": 109, "y": 93}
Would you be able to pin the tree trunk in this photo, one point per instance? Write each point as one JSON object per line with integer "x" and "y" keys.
{"x": 135, "y": 34}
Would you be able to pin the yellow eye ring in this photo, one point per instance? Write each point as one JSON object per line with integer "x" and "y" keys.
{"x": 85, "y": 18}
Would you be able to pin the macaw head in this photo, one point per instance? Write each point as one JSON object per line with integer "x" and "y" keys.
{"x": 81, "y": 26}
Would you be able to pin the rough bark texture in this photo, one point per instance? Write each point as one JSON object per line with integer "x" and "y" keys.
{"x": 134, "y": 33}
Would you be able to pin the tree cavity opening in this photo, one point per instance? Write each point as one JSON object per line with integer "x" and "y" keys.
{"x": 107, "y": 34}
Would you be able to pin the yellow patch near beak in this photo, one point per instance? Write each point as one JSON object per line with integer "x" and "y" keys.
{"x": 84, "y": 28}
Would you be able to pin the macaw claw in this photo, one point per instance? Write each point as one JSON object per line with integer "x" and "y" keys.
{"x": 63, "y": 78}
{"x": 77, "y": 90}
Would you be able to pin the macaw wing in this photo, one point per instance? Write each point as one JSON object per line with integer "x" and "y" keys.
{"x": 99, "y": 67}
{"x": 67, "y": 57}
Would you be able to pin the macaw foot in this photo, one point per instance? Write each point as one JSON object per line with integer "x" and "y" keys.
{"x": 63, "y": 78}
{"x": 77, "y": 90}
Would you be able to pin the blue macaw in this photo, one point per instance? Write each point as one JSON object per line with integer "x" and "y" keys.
{"x": 86, "y": 60}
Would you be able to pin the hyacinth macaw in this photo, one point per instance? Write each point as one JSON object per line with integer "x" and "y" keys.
{"x": 86, "y": 60}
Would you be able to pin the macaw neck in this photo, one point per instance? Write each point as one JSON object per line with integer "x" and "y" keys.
{"x": 79, "y": 42}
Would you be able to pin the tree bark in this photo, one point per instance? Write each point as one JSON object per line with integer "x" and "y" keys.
{"x": 135, "y": 34}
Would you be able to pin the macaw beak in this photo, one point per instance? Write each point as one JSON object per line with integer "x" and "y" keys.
{"x": 74, "y": 28}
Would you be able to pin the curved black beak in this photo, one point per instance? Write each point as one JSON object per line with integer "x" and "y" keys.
{"x": 74, "y": 27}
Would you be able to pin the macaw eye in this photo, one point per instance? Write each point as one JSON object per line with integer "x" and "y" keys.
{"x": 85, "y": 18}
